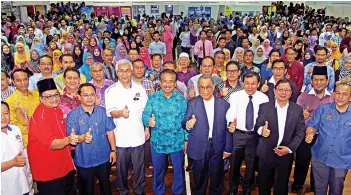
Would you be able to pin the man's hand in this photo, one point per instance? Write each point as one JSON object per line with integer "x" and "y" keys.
{"x": 281, "y": 150}
{"x": 152, "y": 121}
{"x": 306, "y": 113}
{"x": 232, "y": 126}
{"x": 191, "y": 123}
{"x": 147, "y": 134}
{"x": 88, "y": 137}
{"x": 73, "y": 138}
{"x": 264, "y": 87}
{"x": 287, "y": 76}
{"x": 224, "y": 90}
{"x": 192, "y": 93}
{"x": 19, "y": 160}
{"x": 310, "y": 132}
{"x": 265, "y": 131}
{"x": 226, "y": 155}
{"x": 113, "y": 157}
{"x": 152, "y": 77}
{"x": 125, "y": 112}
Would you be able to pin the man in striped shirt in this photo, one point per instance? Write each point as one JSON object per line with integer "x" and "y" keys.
{"x": 6, "y": 89}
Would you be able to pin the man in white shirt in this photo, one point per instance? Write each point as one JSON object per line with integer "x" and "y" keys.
{"x": 45, "y": 67}
{"x": 15, "y": 171}
{"x": 130, "y": 132}
{"x": 241, "y": 118}
{"x": 282, "y": 127}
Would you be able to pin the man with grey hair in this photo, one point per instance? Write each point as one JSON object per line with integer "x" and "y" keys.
{"x": 209, "y": 141}
{"x": 131, "y": 134}
{"x": 100, "y": 83}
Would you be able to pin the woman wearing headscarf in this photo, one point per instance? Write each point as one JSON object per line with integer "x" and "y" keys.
{"x": 21, "y": 39}
{"x": 308, "y": 57}
{"x": 263, "y": 35}
{"x": 121, "y": 53}
{"x": 167, "y": 38}
{"x": 226, "y": 56}
{"x": 97, "y": 54}
{"x": 88, "y": 60}
{"x": 238, "y": 55}
{"x": 138, "y": 41}
{"x": 33, "y": 64}
{"x": 278, "y": 45}
{"x": 260, "y": 56}
{"x": 299, "y": 49}
{"x": 147, "y": 39}
{"x": 345, "y": 70}
{"x": 267, "y": 47}
{"x": 56, "y": 60}
{"x": 145, "y": 57}
{"x": 78, "y": 56}
{"x": 336, "y": 56}
{"x": 112, "y": 46}
{"x": 21, "y": 56}
{"x": 7, "y": 61}
{"x": 255, "y": 45}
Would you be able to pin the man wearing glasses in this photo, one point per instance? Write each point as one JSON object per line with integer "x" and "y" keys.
{"x": 49, "y": 157}
{"x": 45, "y": 67}
{"x": 281, "y": 125}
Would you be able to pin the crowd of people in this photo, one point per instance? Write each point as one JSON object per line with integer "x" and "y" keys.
{"x": 81, "y": 94}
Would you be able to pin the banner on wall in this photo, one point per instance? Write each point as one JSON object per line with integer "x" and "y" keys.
{"x": 169, "y": 9}
{"x": 228, "y": 10}
{"x": 155, "y": 9}
{"x": 199, "y": 11}
{"x": 87, "y": 10}
{"x": 141, "y": 9}
{"x": 126, "y": 11}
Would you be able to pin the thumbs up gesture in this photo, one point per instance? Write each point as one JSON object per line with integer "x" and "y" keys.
{"x": 73, "y": 138}
{"x": 88, "y": 137}
{"x": 264, "y": 87}
{"x": 232, "y": 126}
{"x": 306, "y": 113}
{"x": 152, "y": 77}
{"x": 192, "y": 93}
{"x": 19, "y": 160}
{"x": 191, "y": 123}
{"x": 125, "y": 112}
{"x": 265, "y": 131}
{"x": 224, "y": 90}
{"x": 152, "y": 121}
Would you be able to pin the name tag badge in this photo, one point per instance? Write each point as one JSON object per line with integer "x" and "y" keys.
{"x": 136, "y": 97}
{"x": 329, "y": 116}
{"x": 81, "y": 122}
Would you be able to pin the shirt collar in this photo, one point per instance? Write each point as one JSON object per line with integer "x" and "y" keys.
{"x": 277, "y": 105}
{"x": 83, "y": 111}
{"x": 211, "y": 101}
{"x": 312, "y": 92}
{"x": 271, "y": 80}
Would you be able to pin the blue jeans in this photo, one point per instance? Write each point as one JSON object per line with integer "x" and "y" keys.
{"x": 159, "y": 161}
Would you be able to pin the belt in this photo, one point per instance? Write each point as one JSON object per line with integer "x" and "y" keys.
{"x": 245, "y": 132}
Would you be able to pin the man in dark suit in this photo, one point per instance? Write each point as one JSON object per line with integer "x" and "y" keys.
{"x": 282, "y": 128}
{"x": 279, "y": 69}
{"x": 209, "y": 140}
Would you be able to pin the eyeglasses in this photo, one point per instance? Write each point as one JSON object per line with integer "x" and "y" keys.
{"x": 278, "y": 69}
{"x": 280, "y": 90}
{"x": 51, "y": 97}
{"x": 207, "y": 88}
{"x": 45, "y": 64}
{"x": 124, "y": 71}
{"x": 89, "y": 95}
{"x": 232, "y": 71}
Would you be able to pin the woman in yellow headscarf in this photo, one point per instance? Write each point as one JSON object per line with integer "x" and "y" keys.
{"x": 21, "y": 56}
{"x": 335, "y": 55}
{"x": 56, "y": 59}
{"x": 226, "y": 57}
{"x": 64, "y": 37}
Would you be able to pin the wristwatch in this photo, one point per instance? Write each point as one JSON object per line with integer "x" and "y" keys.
{"x": 113, "y": 150}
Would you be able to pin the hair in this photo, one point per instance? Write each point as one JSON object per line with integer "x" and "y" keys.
{"x": 18, "y": 70}
{"x": 97, "y": 63}
{"x": 168, "y": 71}
{"x": 106, "y": 50}
{"x": 70, "y": 69}
{"x": 156, "y": 32}
{"x": 218, "y": 52}
{"x": 232, "y": 63}
{"x": 45, "y": 56}
{"x": 134, "y": 49}
{"x": 202, "y": 32}
{"x": 247, "y": 51}
{"x": 281, "y": 82}
{"x": 137, "y": 60}
{"x": 85, "y": 85}
{"x": 205, "y": 76}
{"x": 318, "y": 47}
{"x": 221, "y": 38}
{"x": 280, "y": 61}
{"x": 6, "y": 74}
{"x": 208, "y": 57}
{"x": 155, "y": 54}
{"x": 291, "y": 48}
{"x": 64, "y": 55}
{"x": 272, "y": 51}
{"x": 123, "y": 61}
{"x": 251, "y": 74}
{"x": 6, "y": 104}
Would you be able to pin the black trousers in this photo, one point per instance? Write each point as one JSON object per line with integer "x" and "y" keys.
{"x": 59, "y": 186}
{"x": 279, "y": 171}
{"x": 186, "y": 50}
{"x": 137, "y": 155}
{"x": 87, "y": 176}
{"x": 244, "y": 148}
{"x": 212, "y": 165}
{"x": 147, "y": 159}
{"x": 302, "y": 162}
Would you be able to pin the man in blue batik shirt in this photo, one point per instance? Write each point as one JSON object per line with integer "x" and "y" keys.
{"x": 163, "y": 113}
{"x": 96, "y": 148}
{"x": 331, "y": 154}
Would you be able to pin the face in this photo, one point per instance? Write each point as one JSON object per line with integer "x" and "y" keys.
{"x": 290, "y": 55}
{"x": 248, "y": 57}
{"x": 250, "y": 85}
{"x": 156, "y": 37}
{"x": 245, "y": 43}
{"x": 156, "y": 61}
{"x": 206, "y": 66}
{"x": 133, "y": 45}
{"x": 87, "y": 96}
{"x": 122, "y": 50}
{"x": 342, "y": 95}
{"x": 168, "y": 82}
{"x": 89, "y": 60}
{"x": 19, "y": 48}
{"x": 85, "y": 41}
{"x": 222, "y": 43}
{"x": 97, "y": 72}
{"x": 4, "y": 82}
{"x": 334, "y": 47}
{"x": 279, "y": 70}
{"x": 72, "y": 80}
{"x": 259, "y": 52}
{"x": 6, "y": 49}
{"x": 107, "y": 57}
{"x": 77, "y": 51}
{"x": 50, "y": 98}
{"x": 53, "y": 46}
{"x": 133, "y": 55}
{"x": 5, "y": 116}
{"x": 328, "y": 28}
{"x": 347, "y": 64}
{"x": 283, "y": 92}
{"x": 21, "y": 81}
{"x": 203, "y": 35}
{"x": 67, "y": 61}
{"x": 93, "y": 42}
{"x": 319, "y": 83}
{"x": 299, "y": 45}
{"x": 288, "y": 41}
{"x": 138, "y": 70}
{"x": 45, "y": 65}
{"x": 274, "y": 56}
{"x": 138, "y": 39}
{"x": 228, "y": 35}
{"x": 124, "y": 73}
{"x": 232, "y": 72}
{"x": 321, "y": 56}
{"x": 96, "y": 52}
{"x": 219, "y": 60}
{"x": 206, "y": 88}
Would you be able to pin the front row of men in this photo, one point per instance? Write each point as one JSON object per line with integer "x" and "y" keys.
{"x": 206, "y": 127}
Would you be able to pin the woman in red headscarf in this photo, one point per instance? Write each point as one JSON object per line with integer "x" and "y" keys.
{"x": 167, "y": 38}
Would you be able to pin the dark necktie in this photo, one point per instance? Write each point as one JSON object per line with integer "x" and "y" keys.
{"x": 203, "y": 48}
{"x": 249, "y": 115}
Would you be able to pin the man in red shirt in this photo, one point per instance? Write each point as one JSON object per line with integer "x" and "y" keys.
{"x": 295, "y": 68}
{"x": 48, "y": 151}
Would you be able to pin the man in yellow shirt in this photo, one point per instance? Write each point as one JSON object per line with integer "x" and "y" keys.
{"x": 22, "y": 102}
{"x": 66, "y": 61}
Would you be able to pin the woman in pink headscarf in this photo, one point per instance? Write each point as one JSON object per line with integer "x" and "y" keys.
{"x": 267, "y": 47}
{"x": 167, "y": 38}
{"x": 145, "y": 57}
